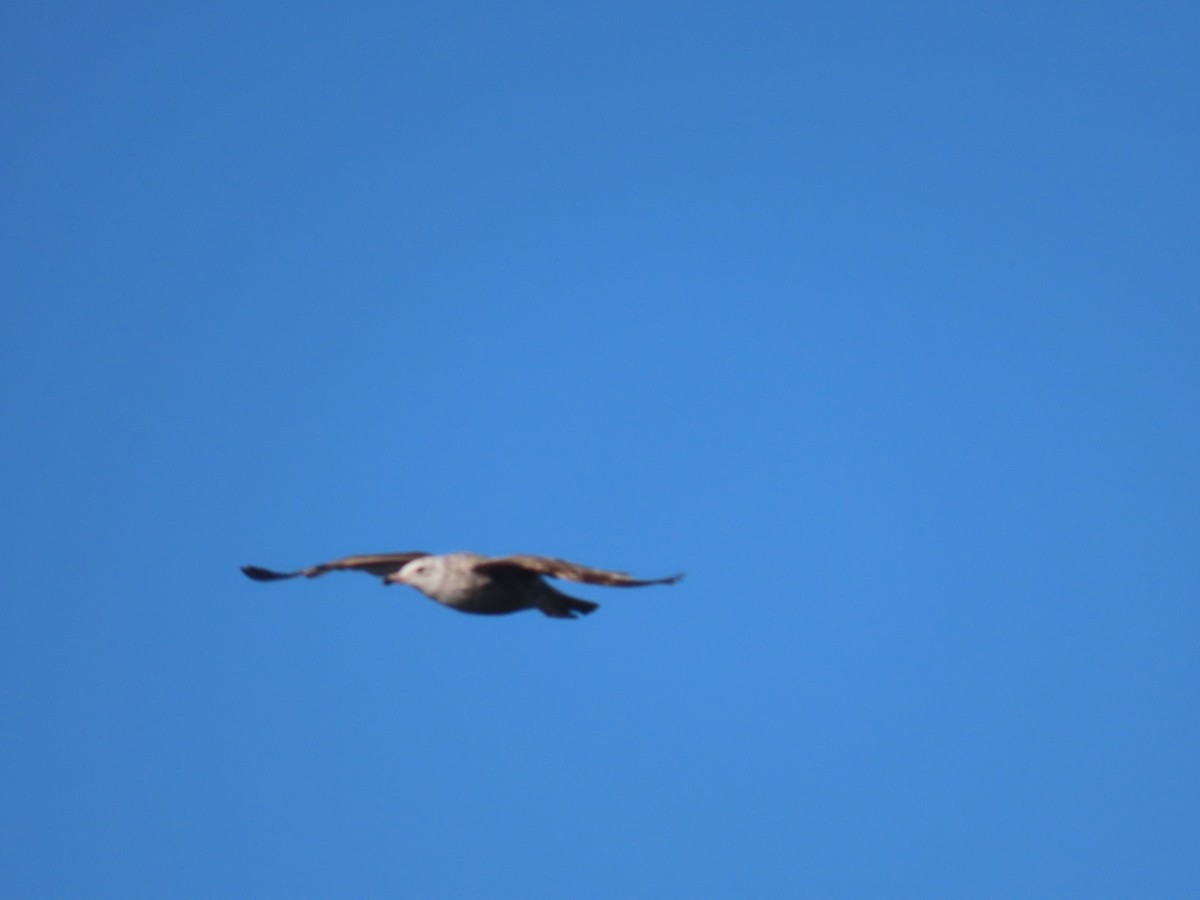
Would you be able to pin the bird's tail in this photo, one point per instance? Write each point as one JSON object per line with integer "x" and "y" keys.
{"x": 558, "y": 605}
{"x": 583, "y": 607}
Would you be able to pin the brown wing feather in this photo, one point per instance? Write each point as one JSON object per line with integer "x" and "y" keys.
{"x": 380, "y": 564}
{"x": 569, "y": 571}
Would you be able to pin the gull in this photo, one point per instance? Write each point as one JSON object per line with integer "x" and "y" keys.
{"x": 473, "y": 583}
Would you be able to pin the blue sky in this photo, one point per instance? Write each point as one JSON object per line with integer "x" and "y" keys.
{"x": 882, "y": 322}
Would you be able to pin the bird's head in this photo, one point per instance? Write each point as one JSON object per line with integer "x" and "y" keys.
{"x": 424, "y": 574}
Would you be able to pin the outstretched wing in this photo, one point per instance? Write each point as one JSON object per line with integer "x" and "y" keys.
{"x": 569, "y": 571}
{"x": 380, "y": 564}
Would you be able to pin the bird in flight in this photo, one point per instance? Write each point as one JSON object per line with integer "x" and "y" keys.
{"x": 472, "y": 583}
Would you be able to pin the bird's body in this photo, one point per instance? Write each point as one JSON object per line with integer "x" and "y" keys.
{"x": 457, "y": 580}
{"x": 473, "y": 583}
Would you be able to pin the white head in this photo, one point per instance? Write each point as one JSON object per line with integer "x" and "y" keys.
{"x": 424, "y": 573}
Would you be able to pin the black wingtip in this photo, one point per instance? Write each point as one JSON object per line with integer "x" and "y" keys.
{"x": 259, "y": 574}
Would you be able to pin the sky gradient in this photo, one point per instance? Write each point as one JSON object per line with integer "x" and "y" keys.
{"x": 882, "y": 323}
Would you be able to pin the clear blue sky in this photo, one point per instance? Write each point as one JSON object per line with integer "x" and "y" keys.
{"x": 880, "y": 320}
